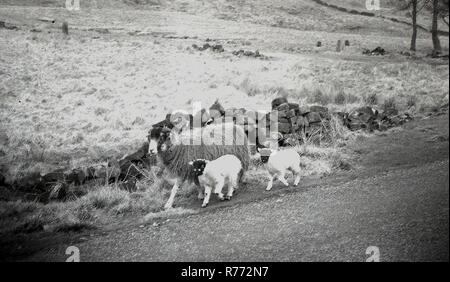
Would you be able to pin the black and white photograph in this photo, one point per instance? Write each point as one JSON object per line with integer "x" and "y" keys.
{"x": 238, "y": 133}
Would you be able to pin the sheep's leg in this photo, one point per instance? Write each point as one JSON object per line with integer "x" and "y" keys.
{"x": 169, "y": 203}
{"x": 201, "y": 194}
{"x": 231, "y": 186}
{"x": 282, "y": 178}
{"x": 218, "y": 189}
{"x": 207, "y": 195}
{"x": 296, "y": 171}
{"x": 269, "y": 185}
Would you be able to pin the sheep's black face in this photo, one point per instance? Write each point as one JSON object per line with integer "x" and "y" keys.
{"x": 265, "y": 154}
{"x": 198, "y": 166}
{"x": 264, "y": 159}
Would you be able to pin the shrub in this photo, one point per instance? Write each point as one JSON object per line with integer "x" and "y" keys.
{"x": 389, "y": 103}
{"x": 371, "y": 99}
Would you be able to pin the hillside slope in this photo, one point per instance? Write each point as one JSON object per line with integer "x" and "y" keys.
{"x": 294, "y": 14}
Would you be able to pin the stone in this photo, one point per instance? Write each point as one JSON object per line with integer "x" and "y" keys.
{"x": 303, "y": 110}
{"x": 218, "y": 48}
{"x": 284, "y": 128}
{"x": 277, "y": 102}
{"x": 283, "y": 119}
{"x": 291, "y": 113}
{"x": 283, "y": 107}
{"x": 339, "y": 46}
{"x": 313, "y": 117}
{"x": 65, "y": 28}
{"x": 318, "y": 109}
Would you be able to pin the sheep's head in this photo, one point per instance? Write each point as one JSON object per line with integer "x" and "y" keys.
{"x": 159, "y": 140}
{"x": 198, "y": 166}
{"x": 265, "y": 154}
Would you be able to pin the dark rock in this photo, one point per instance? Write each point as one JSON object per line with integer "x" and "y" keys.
{"x": 248, "y": 53}
{"x": 294, "y": 106}
{"x": 375, "y": 52}
{"x": 238, "y": 53}
{"x": 340, "y": 115}
{"x": 29, "y": 182}
{"x": 318, "y": 109}
{"x": 73, "y": 177}
{"x": 291, "y": 113}
{"x": 313, "y": 117}
{"x": 278, "y": 101}
{"x": 347, "y": 43}
{"x": 283, "y": 107}
{"x": 325, "y": 115}
{"x": 206, "y": 46}
{"x": 339, "y": 46}
{"x": 303, "y": 110}
{"x": 362, "y": 115}
{"x": 65, "y": 28}
{"x": 362, "y": 118}
{"x": 390, "y": 112}
{"x": 283, "y": 119}
{"x": 218, "y": 48}
{"x": 319, "y": 44}
{"x": 9, "y": 26}
{"x": 55, "y": 176}
{"x": 284, "y": 127}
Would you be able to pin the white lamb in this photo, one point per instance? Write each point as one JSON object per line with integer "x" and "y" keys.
{"x": 215, "y": 174}
{"x": 277, "y": 163}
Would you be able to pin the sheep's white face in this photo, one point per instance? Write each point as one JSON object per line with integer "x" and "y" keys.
{"x": 153, "y": 147}
{"x": 158, "y": 139}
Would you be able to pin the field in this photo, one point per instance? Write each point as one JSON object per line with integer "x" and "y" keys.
{"x": 79, "y": 100}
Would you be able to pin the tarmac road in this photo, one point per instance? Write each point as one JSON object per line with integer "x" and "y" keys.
{"x": 404, "y": 213}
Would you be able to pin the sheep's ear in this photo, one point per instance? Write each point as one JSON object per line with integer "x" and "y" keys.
{"x": 191, "y": 163}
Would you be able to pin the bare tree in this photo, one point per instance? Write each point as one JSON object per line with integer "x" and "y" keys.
{"x": 414, "y": 23}
{"x": 434, "y": 29}
{"x": 444, "y": 12}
